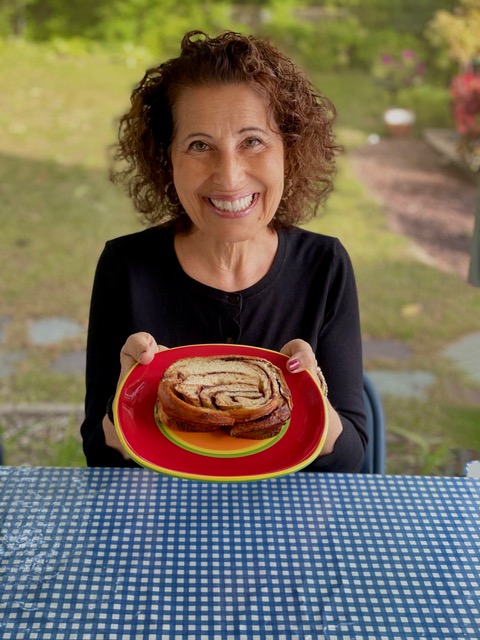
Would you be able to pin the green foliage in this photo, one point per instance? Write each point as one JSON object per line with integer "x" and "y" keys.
{"x": 56, "y": 18}
{"x": 464, "y": 420}
{"x": 336, "y": 42}
{"x": 52, "y": 441}
{"x": 457, "y": 32}
{"x": 327, "y": 35}
{"x": 431, "y": 452}
{"x": 365, "y": 112}
{"x": 431, "y": 105}
{"x": 156, "y": 25}
{"x": 396, "y": 72}
{"x": 403, "y": 16}
{"x": 387, "y": 41}
{"x": 159, "y": 26}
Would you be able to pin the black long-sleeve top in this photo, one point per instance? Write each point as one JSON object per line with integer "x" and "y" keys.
{"x": 308, "y": 293}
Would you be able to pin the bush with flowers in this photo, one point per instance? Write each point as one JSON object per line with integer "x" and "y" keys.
{"x": 465, "y": 93}
{"x": 396, "y": 72}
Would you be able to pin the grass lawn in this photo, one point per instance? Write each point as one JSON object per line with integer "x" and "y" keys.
{"x": 58, "y": 209}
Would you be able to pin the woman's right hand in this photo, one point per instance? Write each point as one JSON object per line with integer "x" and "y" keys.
{"x": 139, "y": 348}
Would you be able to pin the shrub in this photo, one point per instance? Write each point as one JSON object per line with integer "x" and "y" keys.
{"x": 456, "y": 33}
{"x": 396, "y": 72}
{"x": 431, "y": 105}
{"x": 378, "y": 42}
{"x": 324, "y": 42}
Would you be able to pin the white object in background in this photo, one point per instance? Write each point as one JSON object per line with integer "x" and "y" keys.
{"x": 399, "y": 117}
{"x": 472, "y": 469}
{"x": 399, "y": 122}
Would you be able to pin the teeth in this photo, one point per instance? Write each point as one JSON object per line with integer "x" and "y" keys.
{"x": 236, "y": 205}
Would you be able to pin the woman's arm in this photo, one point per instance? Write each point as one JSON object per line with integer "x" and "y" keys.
{"x": 106, "y": 335}
{"x": 338, "y": 352}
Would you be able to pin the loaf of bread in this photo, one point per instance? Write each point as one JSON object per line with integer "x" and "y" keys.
{"x": 244, "y": 395}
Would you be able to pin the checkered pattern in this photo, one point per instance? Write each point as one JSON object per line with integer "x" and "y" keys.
{"x": 111, "y": 553}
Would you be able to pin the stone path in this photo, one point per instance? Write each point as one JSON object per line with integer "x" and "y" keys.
{"x": 464, "y": 353}
{"x": 45, "y": 332}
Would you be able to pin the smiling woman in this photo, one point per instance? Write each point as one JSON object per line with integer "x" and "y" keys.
{"x": 224, "y": 151}
{"x": 228, "y": 169}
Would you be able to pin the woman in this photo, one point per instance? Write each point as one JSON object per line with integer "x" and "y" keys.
{"x": 224, "y": 150}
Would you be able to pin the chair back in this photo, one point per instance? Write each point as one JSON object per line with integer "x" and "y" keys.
{"x": 375, "y": 457}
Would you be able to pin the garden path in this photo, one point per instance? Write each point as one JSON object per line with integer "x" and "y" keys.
{"x": 431, "y": 200}
{"x": 426, "y": 197}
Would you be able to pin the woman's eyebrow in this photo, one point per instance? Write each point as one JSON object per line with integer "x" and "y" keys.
{"x": 246, "y": 129}
{"x": 202, "y": 134}
{"x": 198, "y": 134}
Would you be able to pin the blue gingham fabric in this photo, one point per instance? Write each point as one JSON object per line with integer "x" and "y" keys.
{"x": 127, "y": 553}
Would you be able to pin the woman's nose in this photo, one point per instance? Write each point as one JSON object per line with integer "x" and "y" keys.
{"x": 229, "y": 170}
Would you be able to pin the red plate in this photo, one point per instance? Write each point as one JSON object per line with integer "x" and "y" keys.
{"x": 199, "y": 457}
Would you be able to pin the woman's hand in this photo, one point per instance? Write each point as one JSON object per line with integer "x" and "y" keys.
{"x": 302, "y": 358}
{"x": 139, "y": 348}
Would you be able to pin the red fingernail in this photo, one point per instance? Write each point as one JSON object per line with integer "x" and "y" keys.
{"x": 293, "y": 365}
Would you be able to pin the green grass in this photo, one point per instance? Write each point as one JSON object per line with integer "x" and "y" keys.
{"x": 52, "y": 441}
{"x": 58, "y": 208}
{"x": 358, "y": 100}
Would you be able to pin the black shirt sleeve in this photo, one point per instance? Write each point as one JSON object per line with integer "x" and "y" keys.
{"x": 339, "y": 354}
{"x": 106, "y": 336}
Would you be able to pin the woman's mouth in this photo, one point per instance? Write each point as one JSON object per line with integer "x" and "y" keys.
{"x": 234, "y": 208}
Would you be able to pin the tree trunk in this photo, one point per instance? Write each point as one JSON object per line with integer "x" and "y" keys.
{"x": 19, "y": 21}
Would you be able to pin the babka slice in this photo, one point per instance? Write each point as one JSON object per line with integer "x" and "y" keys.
{"x": 245, "y": 395}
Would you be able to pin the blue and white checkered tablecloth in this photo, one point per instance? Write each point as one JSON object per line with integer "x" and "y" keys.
{"x": 127, "y": 553}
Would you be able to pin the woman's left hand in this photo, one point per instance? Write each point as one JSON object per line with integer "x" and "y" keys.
{"x": 302, "y": 358}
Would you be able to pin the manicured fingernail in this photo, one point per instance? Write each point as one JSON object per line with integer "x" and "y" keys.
{"x": 293, "y": 365}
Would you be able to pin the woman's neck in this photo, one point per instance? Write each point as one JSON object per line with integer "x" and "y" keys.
{"x": 226, "y": 266}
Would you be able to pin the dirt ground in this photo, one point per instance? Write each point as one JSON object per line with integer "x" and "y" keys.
{"x": 426, "y": 198}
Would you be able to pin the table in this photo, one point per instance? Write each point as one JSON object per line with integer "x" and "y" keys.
{"x": 128, "y": 553}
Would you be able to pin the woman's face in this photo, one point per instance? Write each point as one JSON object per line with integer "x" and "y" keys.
{"x": 228, "y": 160}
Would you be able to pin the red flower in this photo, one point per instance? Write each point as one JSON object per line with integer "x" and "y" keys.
{"x": 465, "y": 92}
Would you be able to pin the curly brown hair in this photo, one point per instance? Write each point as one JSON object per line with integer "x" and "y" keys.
{"x": 141, "y": 159}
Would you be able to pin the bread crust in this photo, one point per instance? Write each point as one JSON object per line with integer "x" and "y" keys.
{"x": 246, "y": 396}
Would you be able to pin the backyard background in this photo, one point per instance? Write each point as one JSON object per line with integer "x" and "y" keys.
{"x": 404, "y": 210}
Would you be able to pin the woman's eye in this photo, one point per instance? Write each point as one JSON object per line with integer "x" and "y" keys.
{"x": 252, "y": 142}
{"x": 198, "y": 145}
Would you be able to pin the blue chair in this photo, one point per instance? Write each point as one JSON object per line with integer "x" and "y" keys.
{"x": 376, "y": 450}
